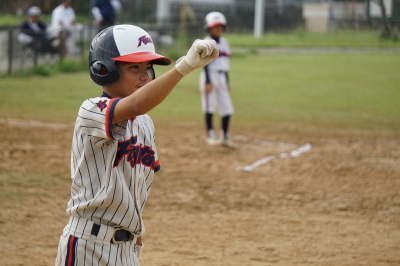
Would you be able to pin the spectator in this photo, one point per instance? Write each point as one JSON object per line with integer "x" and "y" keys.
{"x": 34, "y": 33}
{"x": 105, "y": 13}
{"x": 63, "y": 22}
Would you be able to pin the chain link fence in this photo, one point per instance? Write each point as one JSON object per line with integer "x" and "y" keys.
{"x": 181, "y": 20}
{"x": 16, "y": 56}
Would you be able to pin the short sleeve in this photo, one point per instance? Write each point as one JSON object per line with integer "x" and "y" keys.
{"x": 95, "y": 117}
{"x": 157, "y": 165}
{"x": 149, "y": 122}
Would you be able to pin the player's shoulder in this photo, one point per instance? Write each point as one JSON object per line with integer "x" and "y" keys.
{"x": 24, "y": 25}
{"x": 223, "y": 39}
{"x": 97, "y": 105}
{"x": 95, "y": 101}
{"x": 145, "y": 118}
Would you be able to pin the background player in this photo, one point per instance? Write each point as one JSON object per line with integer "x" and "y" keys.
{"x": 214, "y": 82}
{"x": 114, "y": 157}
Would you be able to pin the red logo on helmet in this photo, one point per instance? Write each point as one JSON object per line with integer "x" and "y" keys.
{"x": 145, "y": 40}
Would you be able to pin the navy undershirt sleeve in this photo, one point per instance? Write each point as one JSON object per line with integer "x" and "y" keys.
{"x": 207, "y": 74}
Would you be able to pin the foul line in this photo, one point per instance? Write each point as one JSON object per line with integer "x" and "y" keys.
{"x": 294, "y": 153}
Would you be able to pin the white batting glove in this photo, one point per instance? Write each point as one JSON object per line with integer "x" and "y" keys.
{"x": 200, "y": 54}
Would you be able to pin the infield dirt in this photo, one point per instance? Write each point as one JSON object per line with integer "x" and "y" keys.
{"x": 338, "y": 204}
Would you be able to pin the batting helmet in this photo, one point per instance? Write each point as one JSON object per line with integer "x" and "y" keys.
{"x": 33, "y": 11}
{"x": 214, "y": 19}
{"x": 125, "y": 43}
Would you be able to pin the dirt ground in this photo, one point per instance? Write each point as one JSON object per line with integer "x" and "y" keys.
{"x": 337, "y": 204}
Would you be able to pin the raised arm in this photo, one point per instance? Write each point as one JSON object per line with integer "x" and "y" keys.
{"x": 153, "y": 93}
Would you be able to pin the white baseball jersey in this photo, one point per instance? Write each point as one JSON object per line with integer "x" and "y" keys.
{"x": 222, "y": 62}
{"x": 62, "y": 17}
{"x": 219, "y": 97}
{"x": 112, "y": 169}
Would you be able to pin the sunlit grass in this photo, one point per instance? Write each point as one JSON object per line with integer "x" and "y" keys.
{"x": 344, "y": 90}
{"x": 303, "y": 38}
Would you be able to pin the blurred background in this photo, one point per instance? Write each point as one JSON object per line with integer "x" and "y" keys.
{"x": 323, "y": 73}
{"x": 177, "y": 22}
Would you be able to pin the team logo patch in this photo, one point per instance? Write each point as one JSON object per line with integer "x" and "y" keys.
{"x": 102, "y": 105}
{"x": 134, "y": 153}
{"x": 145, "y": 40}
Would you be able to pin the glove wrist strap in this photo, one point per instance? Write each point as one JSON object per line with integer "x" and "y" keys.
{"x": 183, "y": 68}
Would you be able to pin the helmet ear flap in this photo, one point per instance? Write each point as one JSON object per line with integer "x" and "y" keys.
{"x": 95, "y": 68}
{"x": 152, "y": 73}
{"x": 104, "y": 73}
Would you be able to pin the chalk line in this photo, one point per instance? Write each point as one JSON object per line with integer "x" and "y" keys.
{"x": 294, "y": 153}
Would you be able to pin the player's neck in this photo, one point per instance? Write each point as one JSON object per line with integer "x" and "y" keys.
{"x": 215, "y": 38}
{"x": 110, "y": 93}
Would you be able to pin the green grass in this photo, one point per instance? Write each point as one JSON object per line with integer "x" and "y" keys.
{"x": 302, "y": 38}
{"x": 343, "y": 90}
{"x": 52, "y": 98}
{"x": 11, "y": 20}
{"x": 325, "y": 90}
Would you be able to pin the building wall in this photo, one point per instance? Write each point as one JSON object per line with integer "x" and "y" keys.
{"x": 319, "y": 16}
{"x": 375, "y": 10}
{"x": 316, "y": 16}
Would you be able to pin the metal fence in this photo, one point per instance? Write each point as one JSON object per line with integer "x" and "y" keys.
{"x": 186, "y": 18}
{"x": 16, "y": 56}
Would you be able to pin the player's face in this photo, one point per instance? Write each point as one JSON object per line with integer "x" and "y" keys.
{"x": 66, "y": 3}
{"x": 216, "y": 31}
{"x": 34, "y": 19}
{"x": 132, "y": 77}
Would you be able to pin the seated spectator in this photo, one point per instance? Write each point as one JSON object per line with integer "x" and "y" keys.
{"x": 105, "y": 13}
{"x": 33, "y": 33}
{"x": 63, "y": 22}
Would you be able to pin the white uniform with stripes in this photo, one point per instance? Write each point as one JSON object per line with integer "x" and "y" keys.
{"x": 219, "y": 97}
{"x": 112, "y": 168}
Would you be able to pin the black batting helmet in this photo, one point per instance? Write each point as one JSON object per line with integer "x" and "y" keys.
{"x": 126, "y": 43}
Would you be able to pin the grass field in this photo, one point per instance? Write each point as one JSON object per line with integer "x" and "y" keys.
{"x": 340, "y": 90}
{"x": 337, "y": 204}
{"x": 303, "y": 38}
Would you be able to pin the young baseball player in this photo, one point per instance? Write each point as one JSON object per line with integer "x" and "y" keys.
{"x": 214, "y": 82}
{"x": 114, "y": 156}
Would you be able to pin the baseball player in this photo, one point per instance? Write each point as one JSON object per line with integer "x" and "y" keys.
{"x": 114, "y": 156}
{"x": 214, "y": 82}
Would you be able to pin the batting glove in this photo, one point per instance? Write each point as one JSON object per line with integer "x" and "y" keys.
{"x": 200, "y": 54}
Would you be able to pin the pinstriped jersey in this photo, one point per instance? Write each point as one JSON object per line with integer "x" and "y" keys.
{"x": 112, "y": 165}
{"x": 222, "y": 62}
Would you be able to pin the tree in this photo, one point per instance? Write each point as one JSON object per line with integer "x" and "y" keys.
{"x": 385, "y": 31}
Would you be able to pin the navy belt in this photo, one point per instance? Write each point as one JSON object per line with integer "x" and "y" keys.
{"x": 120, "y": 235}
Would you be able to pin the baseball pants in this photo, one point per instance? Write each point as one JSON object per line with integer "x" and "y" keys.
{"x": 219, "y": 97}
{"x": 78, "y": 247}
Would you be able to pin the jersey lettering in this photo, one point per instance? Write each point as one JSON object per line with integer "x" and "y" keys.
{"x": 145, "y": 40}
{"x": 135, "y": 154}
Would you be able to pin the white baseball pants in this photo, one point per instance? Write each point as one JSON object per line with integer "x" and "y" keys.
{"x": 78, "y": 247}
{"x": 219, "y": 97}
